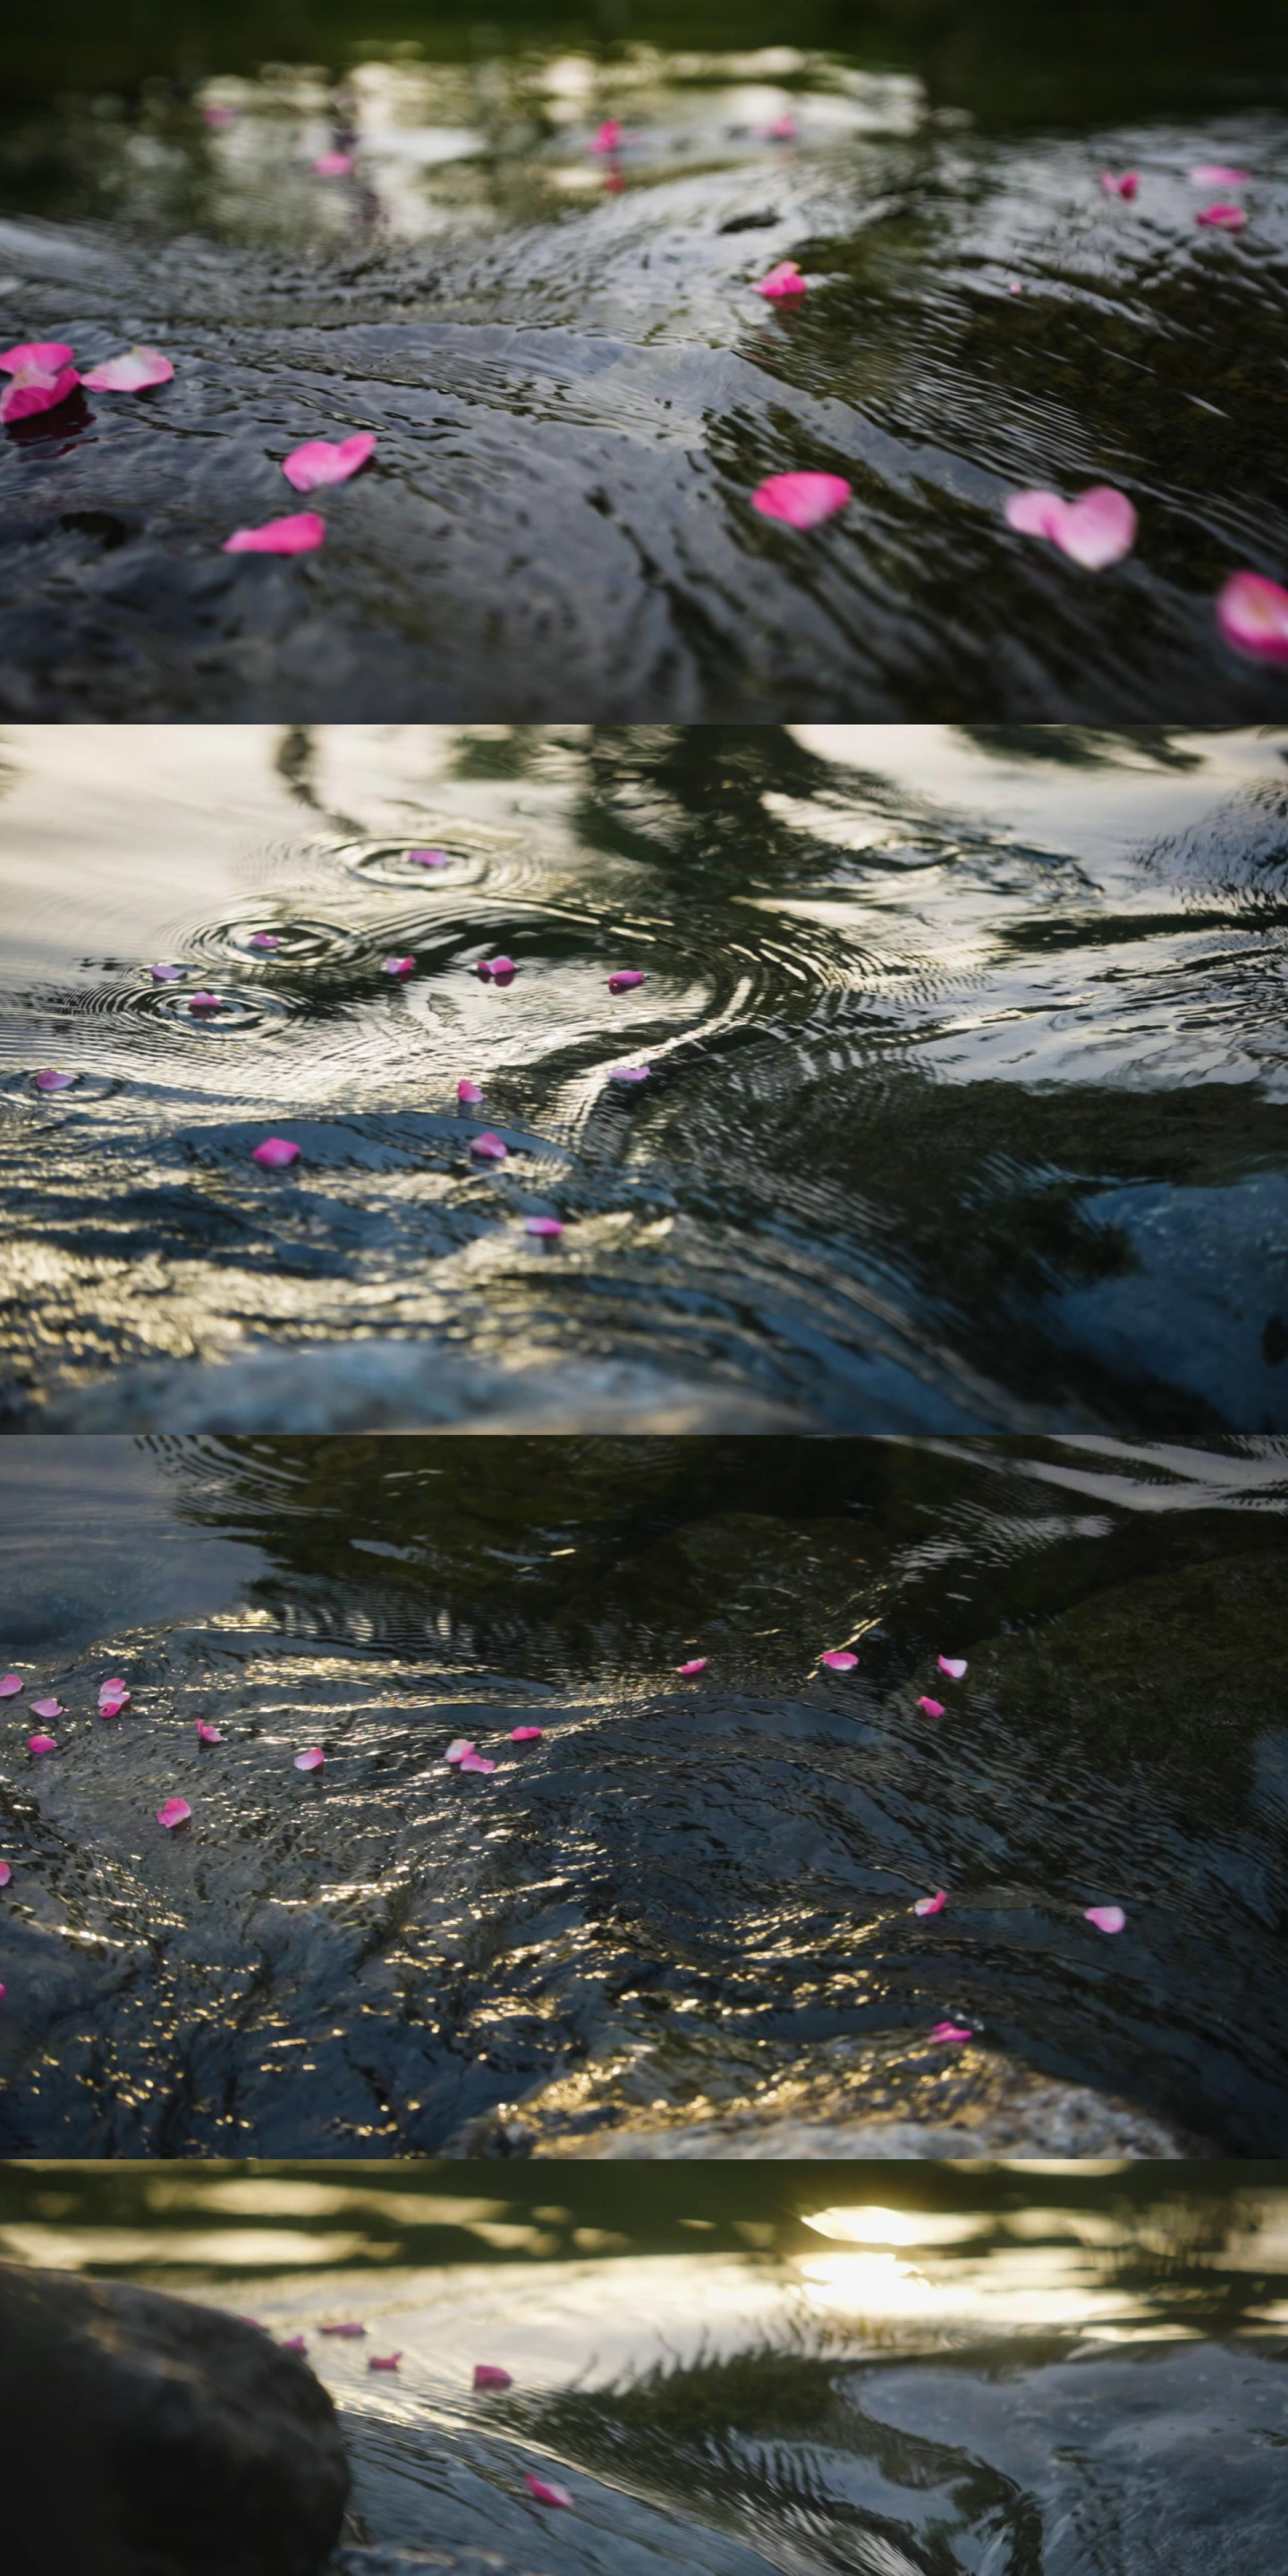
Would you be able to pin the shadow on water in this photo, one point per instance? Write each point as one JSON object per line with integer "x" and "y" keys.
{"x": 681, "y": 1901}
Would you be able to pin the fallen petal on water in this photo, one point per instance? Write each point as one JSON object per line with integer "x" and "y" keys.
{"x": 176, "y": 1811}
{"x": 275, "y": 1153}
{"x": 785, "y": 279}
{"x": 295, "y": 536}
{"x": 1126, "y": 185}
{"x": 548, "y": 1228}
{"x": 1205, "y": 174}
{"x": 1226, "y": 219}
{"x": 630, "y": 1073}
{"x": 472, "y": 1761}
{"x": 130, "y": 374}
{"x": 295, "y": 2343}
{"x": 206, "y": 1733}
{"x": 469, "y": 1091}
{"x": 312, "y": 1760}
{"x": 428, "y": 858}
{"x": 838, "y": 1659}
{"x": 931, "y": 1904}
{"x": 458, "y": 1749}
{"x": 264, "y": 939}
{"x": 489, "y": 1147}
{"x": 625, "y": 980}
{"x": 333, "y": 165}
{"x": 526, "y": 1734}
{"x": 5, "y": 1873}
{"x": 489, "y": 2374}
{"x": 1095, "y": 530}
{"x": 10, "y": 1685}
{"x": 41, "y": 1744}
{"x": 542, "y": 2492}
{"x": 46, "y": 355}
{"x": 695, "y": 1664}
{"x": 931, "y": 1707}
{"x": 165, "y": 974}
{"x": 46, "y": 1708}
{"x": 325, "y": 460}
{"x": 384, "y": 2361}
{"x": 950, "y": 2032}
{"x": 37, "y": 389}
{"x": 953, "y": 1665}
{"x": 803, "y": 500}
{"x": 1107, "y": 1918}
{"x": 349, "y": 2330}
{"x": 205, "y": 1001}
{"x": 1252, "y": 614}
{"x": 399, "y": 966}
{"x": 48, "y": 1079}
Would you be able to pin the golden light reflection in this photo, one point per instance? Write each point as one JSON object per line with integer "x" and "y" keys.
{"x": 870, "y": 2225}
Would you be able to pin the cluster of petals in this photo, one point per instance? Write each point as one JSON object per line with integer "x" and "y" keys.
{"x": 1096, "y": 529}
{"x": 464, "y": 1755}
{"x": 802, "y": 500}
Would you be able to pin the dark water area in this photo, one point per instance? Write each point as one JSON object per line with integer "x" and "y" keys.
{"x": 683, "y": 1896}
{"x": 969, "y": 2372}
{"x": 575, "y": 389}
{"x": 964, "y": 1110}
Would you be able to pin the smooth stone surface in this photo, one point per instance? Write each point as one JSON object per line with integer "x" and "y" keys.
{"x": 145, "y": 2436}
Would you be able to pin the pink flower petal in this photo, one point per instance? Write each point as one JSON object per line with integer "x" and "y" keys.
{"x": 165, "y": 974}
{"x": 542, "y": 2492}
{"x": 46, "y": 1708}
{"x": 1227, "y": 219}
{"x": 950, "y": 2033}
{"x": 1097, "y": 529}
{"x": 608, "y": 138}
{"x": 489, "y": 1147}
{"x": 1205, "y": 174}
{"x": 489, "y": 2374}
{"x": 931, "y": 1904}
{"x": 1126, "y": 186}
{"x": 458, "y": 1748}
{"x": 324, "y": 460}
{"x": 348, "y": 2331}
{"x": 37, "y": 389}
{"x": 264, "y": 939}
{"x": 312, "y": 1760}
{"x": 526, "y": 1734}
{"x": 931, "y": 1707}
{"x": 548, "y": 1228}
{"x": 131, "y": 374}
{"x": 205, "y": 1001}
{"x": 176, "y": 1811}
{"x": 294, "y": 2343}
{"x": 333, "y": 165}
{"x": 803, "y": 500}
{"x": 1013, "y": 286}
{"x": 41, "y": 1744}
{"x": 472, "y": 1761}
{"x": 207, "y": 1734}
{"x": 399, "y": 966}
{"x": 502, "y": 967}
{"x": 630, "y": 1073}
{"x": 49, "y": 1080}
{"x": 216, "y": 118}
{"x": 625, "y": 980}
{"x": 429, "y": 858}
{"x": 1107, "y": 1918}
{"x": 953, "y": 1665}
{"x": 1252, "y": 614}
{"x": 297, "y": 536}
{"x": 46, "y": 356}
{"x": 384, "y": 2361}
{"x": 3, "y": 1992}
{"x": 695, "y": 1664}
{"x": 838, "y": 1659}
{"x": 5, "y": 1873}
{"x": 10, "y": 1685}
{"x": 786, "y": 279}
{"x": 275, "y": 1153}
{"x": 112, "y": 1698}
{"x": 468, "y": 1091}
{"x": 783, "y": 130}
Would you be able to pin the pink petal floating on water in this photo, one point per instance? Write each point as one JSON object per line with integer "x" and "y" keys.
{"x": 3, "y": 1992}
{"x": 838, "y": 1659}
{"x": 348, "y": 2330}
{"x": 37, "y": 389}
{"x": 1013, "y": 286}
{"x": 953, "y": 1665}
{"x": 205, "y": 1001}
{"x": 783, "y": 130}
{"x": 46, "y": 1708}
{"x": 931, "y": 1707}
{"x": 10, "y": 1685}
{"x": 132, "y": 374}
{"x": 297, "y": 536}
{"x": 931, "y": 1904}
{"x": 207, "y": 1734}
{"x": 1124, "y": 186}
{"x": 41, "y": 1744}
{"x": 176, "y": 1811}
{"x": 47, "y": 355}
{"x": 625, "y": 980}
{"x": 609, "y": 137}
{"x": 114, "y": 1693}
{"x": 458, "y": 1748}
{"x": 542, "y": 2492}
{"x": 384, "y": 2361}
{"x": 1097, "y": 529}
{"x": 630, "y": 1073}
{"x": 489, "y": 1147}
{"x": 786, "y": 279}
{"x": 1252, "y": 614}
{"x": 165, "y": 974}
{"x": 217, "y": 117}
{"x": 49, "y": 1080}
{"x": 950, "y": 2032}
{"x": 526, "y": 1734}
{"x": 473, "y": 1761}
{"x": 1205, "y": 174}
{"x": 275, "y": 1153}
{"x": 548, "y": 1228}
{"x": 333, "y": 165}
{"x": 489, "y": 2374}
{"x": 695, "y": 1664}
{"x": 295, "y": 2343}
{"x": 468, "y": 1091}
{"x": 399, "y": 966}
{"x": 326, "y": 460}
{"x": 1107, "y": 1918}
{"x": 264, "y": 939}
{"x": 312, "y": 1760}
{"x": 502, "y": 968}
{"x": 5, "y": 1873}
{"x": 1227, "y": 219}
{"x": 429, "y": 858}
{"x": 803, "y": 500}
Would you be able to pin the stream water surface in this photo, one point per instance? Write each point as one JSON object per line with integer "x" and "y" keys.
{"x": 964, "y": 1104}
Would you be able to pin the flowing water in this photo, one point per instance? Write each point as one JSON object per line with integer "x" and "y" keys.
{"x": 987, "y": 2372}
{"x": 576, "y": 390}
{"x": 690, "y": 1894}
{"x": 965, "y": 1103}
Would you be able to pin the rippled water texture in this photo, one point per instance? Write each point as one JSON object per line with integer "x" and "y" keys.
{"x": 681, "y": 1894}
{"x": 997, "y": 2373}
{"x": 965, "y": 1102}
{"x": 576, "y": 391}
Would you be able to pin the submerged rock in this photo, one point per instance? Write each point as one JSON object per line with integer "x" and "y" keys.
{"x": 145, "y": 2436}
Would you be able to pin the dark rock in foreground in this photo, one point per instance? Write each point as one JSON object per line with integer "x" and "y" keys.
{"x": 144, "y": 2436}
